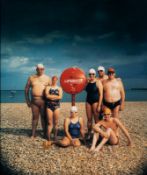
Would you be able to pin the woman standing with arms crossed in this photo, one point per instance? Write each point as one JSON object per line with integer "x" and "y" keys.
{"x": 94, "y": 91}
{"x": 53, "y": 95}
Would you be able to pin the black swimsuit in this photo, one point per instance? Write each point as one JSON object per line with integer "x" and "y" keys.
{"x": 53, "y": 104}
{"x": 112, "y": 105}
{"x": 92, "y": 93}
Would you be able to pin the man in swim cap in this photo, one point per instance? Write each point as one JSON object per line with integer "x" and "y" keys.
{"x": 37, "y": 84}
{"x": 109, "y": 133}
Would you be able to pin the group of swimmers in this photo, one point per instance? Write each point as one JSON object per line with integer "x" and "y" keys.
{"x": 105, "y": 98}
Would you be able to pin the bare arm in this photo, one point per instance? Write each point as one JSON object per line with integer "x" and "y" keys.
{"x": 124, "y": 130}
{"x": 66, "y": 125}
{"x": 27, "y": 88}
{"x": 47, "y": 92}
{"x": 100, "y": 89}
{"x": 97, "y": 128}
{"x": 122, "y": 92}
{"x": 49, "y": 81}
{"x": 53, "y": 97}
{"x": 60, "y": 94}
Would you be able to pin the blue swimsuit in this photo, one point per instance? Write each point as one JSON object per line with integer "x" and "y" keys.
{"x": 74, "y": 129}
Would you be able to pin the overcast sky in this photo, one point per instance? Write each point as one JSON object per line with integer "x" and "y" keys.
{"x": 65, "y": 33}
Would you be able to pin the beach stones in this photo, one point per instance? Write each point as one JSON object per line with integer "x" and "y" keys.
{"x": 23, "y": 156}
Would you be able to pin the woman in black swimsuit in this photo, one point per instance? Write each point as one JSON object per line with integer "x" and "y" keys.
{"x": 53, "y": 95}
{"x": 94, "y": 91}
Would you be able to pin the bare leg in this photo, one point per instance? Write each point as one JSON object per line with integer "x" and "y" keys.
{"x": 110, "y": 136}
{"x": 104, "y": 140}
{"x": 56, "y": 116}
{"x": 35, "y": 118}
{"x": 43, "y": 118}
{"x": 94, "y": 141}
{"x": 50, "y": 123}
{"x": 89, "y": 117}
{"x": 77, "y": 142}
{"x": 115, "y": 112}
{"x": 65, "y": 142}
{"x": 95, "y": 112}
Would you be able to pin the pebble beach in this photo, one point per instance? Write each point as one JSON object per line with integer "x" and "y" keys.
{"x": 21, "y": 156}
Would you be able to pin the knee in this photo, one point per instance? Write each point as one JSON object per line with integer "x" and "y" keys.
{"x": 77, "y": 143}
{"x": 56, "y": 124}
{"x": 95, "y": 113}
{"x": 94, "y": 127}
{"x": 89, "y": 120}
{"x": 50, "y": 123}
{"x": 65, "y": 142}
{"x": 35, "y": 117}
{"x": 108, "y": 132}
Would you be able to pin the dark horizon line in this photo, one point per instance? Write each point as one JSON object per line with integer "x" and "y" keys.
{"x": 24, "y": 89}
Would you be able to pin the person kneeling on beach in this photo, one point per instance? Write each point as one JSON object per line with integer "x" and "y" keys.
{"x": 73, "y": 127}
{"x": 110, "y": 134}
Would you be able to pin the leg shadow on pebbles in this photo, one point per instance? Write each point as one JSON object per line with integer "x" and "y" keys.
{"x": 16, "y": 131}
{"x": 26, "y": 132}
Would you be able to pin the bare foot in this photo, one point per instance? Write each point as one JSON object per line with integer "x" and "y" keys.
{"x": 91, "y": 149}
{"x": 97, "y": 150}
{"x": 32, "y": 137}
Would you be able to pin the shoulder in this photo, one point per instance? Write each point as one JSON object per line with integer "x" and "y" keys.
{"x": 98, "y": 82}
{"x": 81, "y": 119}
{"x": 105, "y": 77}
{"x": 101, "y": 122}
{"x": 116, "y": 120}
{"x": 32, "y": 77}
{"x": 67, "y": 120}
{"x": 60, "y": 88}
{"x": 105, "y": 81}
{"x": 46, "y": 77}
{"x": 119, "y": 80}
{"x": 48, "y": 87}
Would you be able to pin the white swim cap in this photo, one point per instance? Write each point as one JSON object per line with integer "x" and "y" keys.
{"x": 92, "y": 71}
{"x": 73, "y": 109}
{"x": 40, "y": 66}
{"x": 101, "y": 68}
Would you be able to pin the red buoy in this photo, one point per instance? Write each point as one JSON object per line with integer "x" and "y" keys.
{"x": 73, "y": 81}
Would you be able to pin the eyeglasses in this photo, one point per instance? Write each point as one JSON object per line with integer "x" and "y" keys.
{"x": 100, "y": 71}
{"x": 109, "y": 73}
{"x": 91, "y": 74}
{"x": 107, "y": 114}
{"x": 40, "y": 68}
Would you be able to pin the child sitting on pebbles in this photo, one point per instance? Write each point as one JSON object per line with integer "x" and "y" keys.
{"x": 110, "y": 132}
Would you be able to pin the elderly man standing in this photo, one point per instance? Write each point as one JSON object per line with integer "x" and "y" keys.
{"x": 114, "y": 94}
{"x": 101, "y": 74}
{"x": 37, "y": 83}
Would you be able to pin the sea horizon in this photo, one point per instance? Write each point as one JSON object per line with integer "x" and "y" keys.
{"x": 17, "y": 96}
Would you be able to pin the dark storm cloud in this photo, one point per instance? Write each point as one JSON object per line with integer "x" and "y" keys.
{"x": 125, "y": 18}
{"x": 63, "y": 33}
